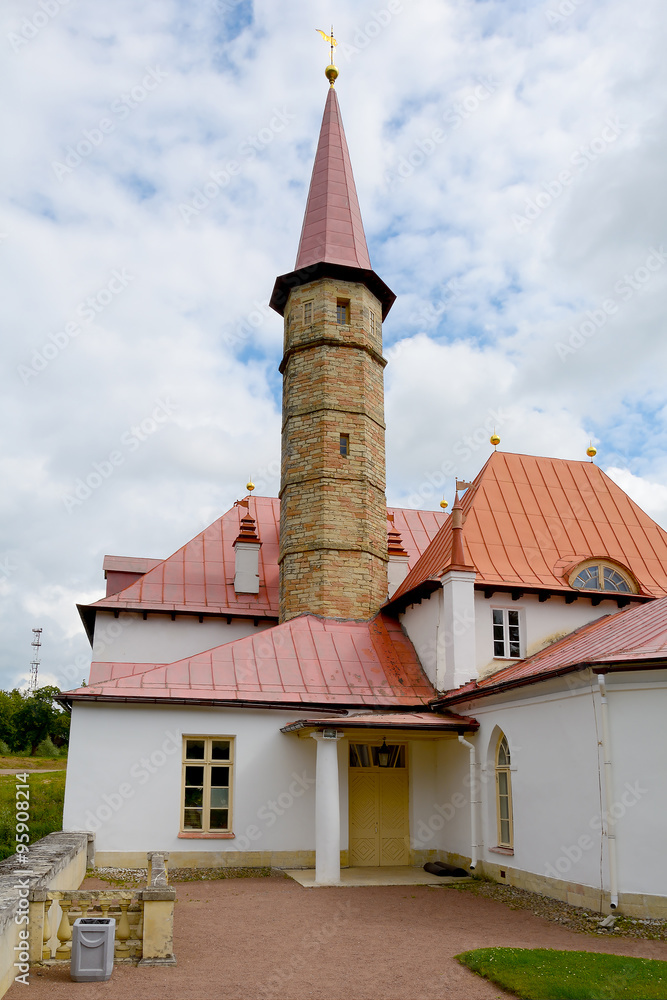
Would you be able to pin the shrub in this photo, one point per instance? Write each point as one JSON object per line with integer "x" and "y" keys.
{"x": 4, "y": 749}
{"x": 46, "y": 748}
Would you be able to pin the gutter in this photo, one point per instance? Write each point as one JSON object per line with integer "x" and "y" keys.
{"x": 609, "y": 795}
{"x": 67, "y": 698}
{"x": 473, "y": 804}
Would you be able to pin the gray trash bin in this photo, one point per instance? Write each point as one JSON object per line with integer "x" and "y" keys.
{"x": 92, "y": 949}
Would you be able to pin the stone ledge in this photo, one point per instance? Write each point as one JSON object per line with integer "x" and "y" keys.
{"x": 46, "y": 859}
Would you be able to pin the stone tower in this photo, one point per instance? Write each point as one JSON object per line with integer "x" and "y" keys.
{"x": 333, "y": 515}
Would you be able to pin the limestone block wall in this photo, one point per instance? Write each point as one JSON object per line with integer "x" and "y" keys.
{"x": 333, "y": 529}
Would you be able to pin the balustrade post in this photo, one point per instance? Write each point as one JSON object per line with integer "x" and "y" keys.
{"x": 46, "y": 952}
{"x": 36, "y": 924}
{"x": 64, "y": 949}
{"x": 158, "y": 925}
{"x": 123, "y": 931}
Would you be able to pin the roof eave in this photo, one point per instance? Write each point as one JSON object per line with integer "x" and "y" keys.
{"x": 66, "y": 698}
{"x": 595, "y": 665}
{"x": 285, "y": 283}
{"x": 87, "y": 613}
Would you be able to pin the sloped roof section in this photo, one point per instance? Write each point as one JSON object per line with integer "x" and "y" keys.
{"x": 307, "y": 660}
{"x": 333, "y": 231}
{"x": 527, "y": 519}
{"x": 199, "y": 577}
{"x": 635, "y": 635}
{"x": 425, "y": 721}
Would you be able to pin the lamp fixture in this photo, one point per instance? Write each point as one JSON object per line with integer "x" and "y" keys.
{"x": 384, "y": 753}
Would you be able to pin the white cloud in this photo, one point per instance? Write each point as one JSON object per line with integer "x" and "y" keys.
{"x": 517, "y": 97}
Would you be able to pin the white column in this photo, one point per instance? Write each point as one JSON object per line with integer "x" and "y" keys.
{"x": 327, "y": 810}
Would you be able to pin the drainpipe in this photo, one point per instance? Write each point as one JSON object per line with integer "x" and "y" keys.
{"x": 609, "y": 793}
{"x": 473, "y": 803}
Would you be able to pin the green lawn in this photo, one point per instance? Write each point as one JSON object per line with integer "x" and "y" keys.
{"x": 47, "y": 792}
{"x": 33, "y": 763}
{"x": 544, "y": 974}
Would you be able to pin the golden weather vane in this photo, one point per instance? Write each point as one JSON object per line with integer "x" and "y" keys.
{"x": 330, "y": 72}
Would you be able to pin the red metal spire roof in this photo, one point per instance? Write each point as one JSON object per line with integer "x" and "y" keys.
{"x": 332, "y": 232}
{"x": 333, "y": 243}
{"x": 529, "y": 520}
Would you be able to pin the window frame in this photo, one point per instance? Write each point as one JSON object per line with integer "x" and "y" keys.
{"x": 343, "y": 304}
{"x": 308, "y": 312}
{"x": 506, "y": 770}
{"x": 344, "y": 441}
{"x": 505, "y": 611}
{"x": 208, "y": 763}
{"x": 601, "y": 565}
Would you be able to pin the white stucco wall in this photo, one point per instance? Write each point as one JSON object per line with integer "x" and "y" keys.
{"x": 124, "y": 777}
{"x": 557, "y": 781}
{"x": 555, "y": 778}
{"x": 540, "y": 622}
{"x": 421, "y": 621}
{"x": 130, "y": 639}
{"x": 638, "y": 735}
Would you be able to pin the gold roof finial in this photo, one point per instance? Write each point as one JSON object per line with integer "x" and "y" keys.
{"x": 591, "y": 451}
{"x": 443, "y": 502}
{"x": 331, "y": 72}
{"x": 494, "y": 439}
{"x": 250, "y": 486}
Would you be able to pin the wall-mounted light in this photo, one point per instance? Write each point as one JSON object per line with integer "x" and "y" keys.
{"x": 384, "y": 753}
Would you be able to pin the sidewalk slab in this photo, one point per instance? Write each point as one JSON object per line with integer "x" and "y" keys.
{"x": 391, "y": 875}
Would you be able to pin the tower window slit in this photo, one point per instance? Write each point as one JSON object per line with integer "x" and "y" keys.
{"x": 308, "y": 313}
{"x": 343, "y": 312}
{"x": 345, "y": 445}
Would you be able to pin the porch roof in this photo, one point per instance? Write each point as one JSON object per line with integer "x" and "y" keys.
{"x": 412, "y": 721}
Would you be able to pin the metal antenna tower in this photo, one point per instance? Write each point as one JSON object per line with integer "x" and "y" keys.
{"x": 34, "y": 666}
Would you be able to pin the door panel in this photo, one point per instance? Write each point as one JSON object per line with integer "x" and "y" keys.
{"x": 394, "y": 833}
{"x": 364, "y": 818}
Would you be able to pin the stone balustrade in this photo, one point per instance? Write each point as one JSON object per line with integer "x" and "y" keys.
{"x": 144, "y": 918}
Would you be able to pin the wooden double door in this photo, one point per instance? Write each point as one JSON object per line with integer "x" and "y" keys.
{"x": 379, "y": 830}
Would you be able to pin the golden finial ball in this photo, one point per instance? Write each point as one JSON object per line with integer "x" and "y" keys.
{"x": 444, "y": 504}
{"x": 494, "y": 439}
{"x": 591, "y": 451}
{"x": 331, "y": 73}
{"x": 250, "y": 486}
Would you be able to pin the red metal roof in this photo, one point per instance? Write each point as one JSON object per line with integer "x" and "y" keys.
{"x": 528, "y": 520}
{"x": 636, "y": 634}
{"x": 199, "y": 577}
{"x": 389, "y": 720}
{"x": 307, "y": 660}
{"x": 332, "y": 230}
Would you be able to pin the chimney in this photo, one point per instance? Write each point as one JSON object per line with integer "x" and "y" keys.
{"x": 246, "y": 550}
{"x": 397, "y": 570}
{"x": 455, "y": 654}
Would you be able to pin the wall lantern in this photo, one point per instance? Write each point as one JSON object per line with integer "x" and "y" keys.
{"x": 384, "y": 753}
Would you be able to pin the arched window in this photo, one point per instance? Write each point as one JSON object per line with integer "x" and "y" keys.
{"x": 504, "y": 794}
{"x": 596, "y": 574}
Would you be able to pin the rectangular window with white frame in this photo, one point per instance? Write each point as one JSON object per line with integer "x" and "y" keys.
{"x": 506, "y": 633}
{"x": 208, "y": 763}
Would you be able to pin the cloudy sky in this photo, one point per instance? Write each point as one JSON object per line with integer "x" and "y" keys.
{"x": 509, "y": 158}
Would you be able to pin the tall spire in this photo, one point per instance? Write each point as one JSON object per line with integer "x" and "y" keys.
{"x": 333, "y": 510}
{"x": 332, "y": 230}
{"x": 333, "y": 242}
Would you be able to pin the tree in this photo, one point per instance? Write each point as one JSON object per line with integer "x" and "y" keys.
{"x": 38, "y": 717}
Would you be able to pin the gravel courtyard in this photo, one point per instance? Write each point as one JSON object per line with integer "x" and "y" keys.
{"x": 264, "y": 938}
